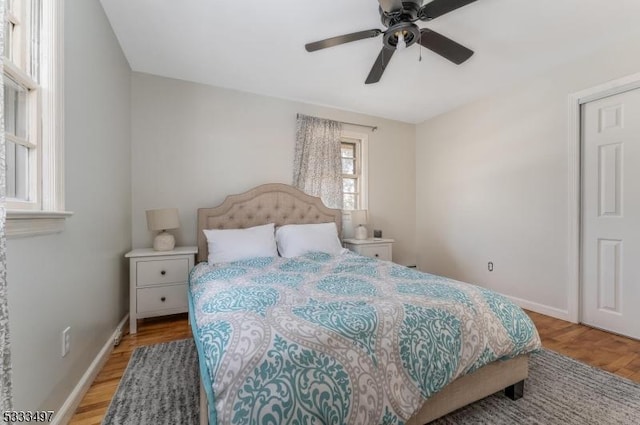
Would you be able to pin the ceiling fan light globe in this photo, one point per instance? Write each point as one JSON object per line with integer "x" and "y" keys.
{"x": 401, "y": 42}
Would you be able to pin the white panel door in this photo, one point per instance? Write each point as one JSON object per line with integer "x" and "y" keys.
{"x": 611, "y": 213}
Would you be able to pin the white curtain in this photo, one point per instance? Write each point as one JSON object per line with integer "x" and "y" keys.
{"x": 317, "y": 167}
{"x": 5, "y": 349}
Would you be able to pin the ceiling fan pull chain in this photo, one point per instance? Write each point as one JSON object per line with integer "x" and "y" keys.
{"x": 420, "y": 49}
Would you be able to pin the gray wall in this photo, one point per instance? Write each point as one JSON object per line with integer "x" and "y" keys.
{"x": 492, "y": 183}
{"x": 77, "y": 278}
{"x": 193, "y": 144}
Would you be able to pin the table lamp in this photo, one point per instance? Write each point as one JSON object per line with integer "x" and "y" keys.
{"x": 359, "y": 220}
{"x": 163, "y": 220}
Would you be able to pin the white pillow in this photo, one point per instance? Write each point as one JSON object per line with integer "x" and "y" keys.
{"x": 298, "y": 239}
{"x": 241, "y": 244}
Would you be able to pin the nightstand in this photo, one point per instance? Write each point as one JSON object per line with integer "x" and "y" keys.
{"x": 158, "y": 282}
{"x": 374, "y": 248}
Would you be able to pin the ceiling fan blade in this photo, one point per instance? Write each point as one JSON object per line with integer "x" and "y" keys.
{"x": 444, "y": 46}
{"x": 379, "y": 65}
{"x": 341, "y": 39}
{"x": 439, "y": 7}
{"x": 390, "y": 5}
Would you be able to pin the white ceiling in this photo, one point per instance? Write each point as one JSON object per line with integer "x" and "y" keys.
{"x": 257, "y": 46}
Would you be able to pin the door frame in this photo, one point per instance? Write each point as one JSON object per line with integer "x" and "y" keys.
{"x": 576, "y": 100}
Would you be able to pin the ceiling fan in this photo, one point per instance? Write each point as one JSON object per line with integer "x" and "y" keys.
{"x": 399, "y": 16}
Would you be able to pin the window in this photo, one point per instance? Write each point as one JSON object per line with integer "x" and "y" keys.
{"x": 22, "y": 114}
{"x": 33, "y": 116}
{"x": 353, "y": 157}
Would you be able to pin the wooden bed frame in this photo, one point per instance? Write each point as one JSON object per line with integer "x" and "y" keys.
{"x": 283, "y": 204}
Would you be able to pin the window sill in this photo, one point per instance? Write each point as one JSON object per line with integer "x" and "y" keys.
{"x": 22, "y": 224}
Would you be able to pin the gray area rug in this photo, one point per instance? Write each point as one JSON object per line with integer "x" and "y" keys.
{"x": 161, "y": 386}
{"x": 559, "y": 390}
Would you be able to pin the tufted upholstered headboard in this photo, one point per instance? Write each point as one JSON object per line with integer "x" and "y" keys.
{"x": 269, "y": 203}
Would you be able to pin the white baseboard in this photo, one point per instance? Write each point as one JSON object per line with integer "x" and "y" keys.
{"x": 542, "y": 309}
{"x": 68, "y": 408}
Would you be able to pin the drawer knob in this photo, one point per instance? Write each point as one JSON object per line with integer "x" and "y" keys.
{"x": 377, "y": 255}
{"x": 163, "y": 299}
{"x": 163, "y": 272}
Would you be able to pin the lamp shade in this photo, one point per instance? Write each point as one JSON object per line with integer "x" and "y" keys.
{"x": 359, "y": 217}
{"x": 163, "y": 219}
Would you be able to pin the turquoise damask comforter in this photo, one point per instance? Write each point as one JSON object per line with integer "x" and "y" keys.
{"x": 346, "y": 339}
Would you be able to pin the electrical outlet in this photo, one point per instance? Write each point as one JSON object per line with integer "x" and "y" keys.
{"x": 66, "y": 341}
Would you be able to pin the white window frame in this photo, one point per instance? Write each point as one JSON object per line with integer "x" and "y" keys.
{"x": 32, "y": 142}
{"x": 362, "y": 166}
{"x": 45, "y": 213}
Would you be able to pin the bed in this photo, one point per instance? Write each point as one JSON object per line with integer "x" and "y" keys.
{"x": 342, "y": 339}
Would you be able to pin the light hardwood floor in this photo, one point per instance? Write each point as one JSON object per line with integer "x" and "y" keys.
{"x": 610, "y": 352}
{"x": 601, "y": 349}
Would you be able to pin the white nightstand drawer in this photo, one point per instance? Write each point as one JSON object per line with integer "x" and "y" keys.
{"x": 381, "y": 252}
{"x": 162, "y": 298}
{"x": 155, "y": 272}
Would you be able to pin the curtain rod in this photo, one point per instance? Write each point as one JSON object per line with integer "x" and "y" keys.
{"x": 372, "y": 127}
